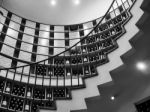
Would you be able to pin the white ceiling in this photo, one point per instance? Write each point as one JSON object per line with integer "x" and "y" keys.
{"x": 63, "y": 12}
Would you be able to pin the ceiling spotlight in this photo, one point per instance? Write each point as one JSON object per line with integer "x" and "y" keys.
{"x": 77, "y": 2}
{"x": 53, "y": 2}
{"x": 112, "y": 98}
{"x": 141, "y": 66}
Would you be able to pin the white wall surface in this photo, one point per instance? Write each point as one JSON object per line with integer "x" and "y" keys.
{"x": 64, "y": 12}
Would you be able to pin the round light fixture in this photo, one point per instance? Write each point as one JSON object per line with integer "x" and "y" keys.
{"x": 112, "y": 98}
{"x": 53, "y": 2}
{"x": 141, "y": 66}
{"x": 77, "y": 2}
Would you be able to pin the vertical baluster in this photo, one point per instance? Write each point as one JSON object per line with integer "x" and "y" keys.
{"x": 11, "y": 87}
{"x": 56, "y": 72}
{"x": 69, "y": 69}
{"x": 25, "y": 88}
{"x": 78, "y": 62}
{"x": 83, "y": 54}
{"x": 72, "y": 57}
{"x": 5, "y": 87}
{"x": 22, "y": 73}
{"x": 34, "y": 86}
{"x": 43, "y": 89}
{"x": 31, "y": 87}
{"x": 64, "y": 69}
{"x": 49, "y": 95}
{"x": 51, "y": 72}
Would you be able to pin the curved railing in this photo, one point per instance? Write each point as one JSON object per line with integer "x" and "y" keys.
{"x": 43, "y": 82}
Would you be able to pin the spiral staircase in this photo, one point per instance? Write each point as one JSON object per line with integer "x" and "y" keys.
{"x": 60, "y": 81}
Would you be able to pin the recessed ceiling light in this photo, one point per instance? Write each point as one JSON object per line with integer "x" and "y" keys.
{"x": 141, "y": 66}
{"x": 77, "y": 2}
{"x": 112, "y": 98}
{"x": 53, "y": 2}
